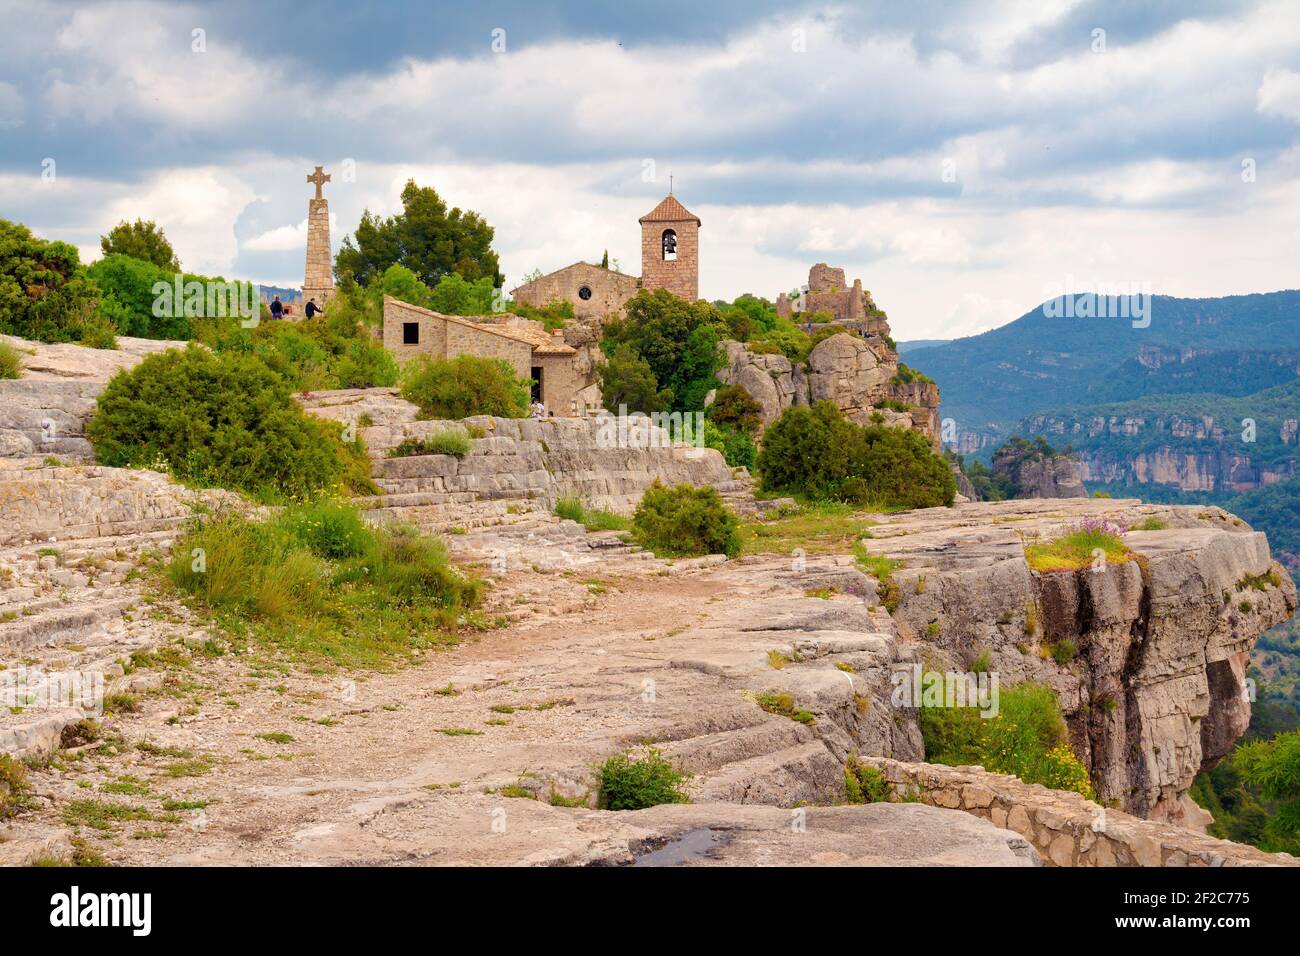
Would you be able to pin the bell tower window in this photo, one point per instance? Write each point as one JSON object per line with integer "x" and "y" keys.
{"x": 670, "y": 245}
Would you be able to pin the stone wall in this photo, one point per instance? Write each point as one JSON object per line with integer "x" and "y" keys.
{"x": 1065, "y": 828}
{"x": 444, "y": 336}
{"x": 318, "y": 279}
{"x": 609, "y": 291}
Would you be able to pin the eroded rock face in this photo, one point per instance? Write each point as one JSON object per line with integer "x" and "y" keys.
{"x": 1152, "y": 650}
{"x": 856, "y": 373}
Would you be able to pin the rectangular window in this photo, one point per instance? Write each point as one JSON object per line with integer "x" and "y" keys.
{"x": 537, "y": 383}
{"x": 410, "y": 333}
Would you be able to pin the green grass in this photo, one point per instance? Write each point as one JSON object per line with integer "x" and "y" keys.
{"x": 1027, "y": 739}
{"x": 782, "y": 704}
{"x": 1151, "y": 524}
{"x": 13, "y": 786}
{"x": 11, "y": 363}
{"x": 318, "y": 585}
{"x": 1074, "y": 551}
{"x": 591, "y": 518}
{"x": 454, "y": 442}
{"x": 864, "y": 783}
{"x": 826, "y": 527}
{"x": 104, "y": 815}
{"x": 631, "y": 781}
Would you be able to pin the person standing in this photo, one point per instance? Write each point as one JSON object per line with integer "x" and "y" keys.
{"x": 313, "y": 309}
{"x": 277, "y": 308}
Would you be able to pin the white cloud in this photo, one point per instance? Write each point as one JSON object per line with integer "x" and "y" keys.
{"x": 1279, "y": 94}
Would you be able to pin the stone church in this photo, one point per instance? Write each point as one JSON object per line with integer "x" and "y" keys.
{"x": 670, "y": 259}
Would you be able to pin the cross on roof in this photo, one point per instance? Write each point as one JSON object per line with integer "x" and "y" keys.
{"x": 320, "y": 178}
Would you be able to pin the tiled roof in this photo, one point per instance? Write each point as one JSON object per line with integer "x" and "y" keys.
{"x": 670, "y": 210}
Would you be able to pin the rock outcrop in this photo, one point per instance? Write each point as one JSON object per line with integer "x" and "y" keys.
{"x": 540, "y": 460}
{"x": 1034, "y": 471}
{"x": 858, "y": 375}
{"x": 1152, "y": 652}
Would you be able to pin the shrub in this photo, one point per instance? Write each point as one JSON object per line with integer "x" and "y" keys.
{"x": 44, "y": 292}
{"x": 685, "y": 521}
{"x": 217, "y": 419}
{"x": 463, "y": 386}
{"x": 814, "y": 450}
{"x": 737, "y": 448}
{"x": 447, "y": 442}
{"x": 634, "y": 783}
{"x": 864, "y": 783}
{"x": 140, "y": 240}
{"x": 735, "y": 408}
{"x": 11, "y": 363}
{"x": 328, "y": 529}
{"x": 1027, "y": 738}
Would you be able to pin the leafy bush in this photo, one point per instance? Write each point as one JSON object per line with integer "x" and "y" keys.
{"x": 448, "y": 442}
{"x": 45, "y": 293}
{"x": 215, "y": 419}
{"x": 733, "y": 407}
{"x": 1273, "y": 768}
{"x": 685, "y": 521}
{"x": 463, "y": 386}
{"x": 1027, "y": 738}
{"x": 737, "y": 448}
{"x": 814, "y": 450}
{"x": 11, "y": 363}
{"x": 634, "y": 783}
{"x": 864, "y": 783}
{"x": 319, "y": 583}
{"x": 132, "y": 305}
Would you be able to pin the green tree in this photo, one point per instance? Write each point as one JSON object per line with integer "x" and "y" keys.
{"x": 45, "y": 293}
{"x": 1273, "y": 767}
{"x": 627, "y": 379}
{"x": 141, "y": 240}
{"x": 677, "y": 339}
{"x": 426, "y": 237}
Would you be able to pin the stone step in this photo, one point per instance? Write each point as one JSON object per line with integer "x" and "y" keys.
{"x": 801, "y": 773}
{"x": 72, "y": 622}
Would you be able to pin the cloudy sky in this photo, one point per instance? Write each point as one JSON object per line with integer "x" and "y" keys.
{"x": 963, "y": 158}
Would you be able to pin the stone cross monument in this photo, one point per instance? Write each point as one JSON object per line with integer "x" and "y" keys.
{"x": 318, "y": 283}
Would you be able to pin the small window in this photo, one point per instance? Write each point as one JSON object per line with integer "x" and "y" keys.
{"x": 410, "y": 333}
{"x": 584, "y": 293}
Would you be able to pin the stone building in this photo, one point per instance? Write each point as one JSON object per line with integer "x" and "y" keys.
{"x": 562, "y": 378}
{"x": 829, "y": 292}
{"x": 670, "y": 259}
{"x": 594, "y": 291}
{"x": 318, "y": 280}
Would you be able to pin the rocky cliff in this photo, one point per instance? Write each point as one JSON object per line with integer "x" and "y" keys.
{"x": 1033, "y": 471}
{"x": 859, "y": 375}
{"x": 1147, "y": 657}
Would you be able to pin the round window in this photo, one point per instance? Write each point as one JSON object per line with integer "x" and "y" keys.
{"x": 584, "y": 293}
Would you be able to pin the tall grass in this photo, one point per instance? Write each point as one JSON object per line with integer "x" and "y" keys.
{"x": 319, "y": 584}
{"x": 11, "y": 363}
{"x": 593, "y": 519}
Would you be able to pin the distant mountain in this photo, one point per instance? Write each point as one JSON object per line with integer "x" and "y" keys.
{"x": 902, "y": 348}
{"x": 1235, "y": 345}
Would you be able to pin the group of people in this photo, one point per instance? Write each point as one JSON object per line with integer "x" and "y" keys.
{"x": 278, "y": 309}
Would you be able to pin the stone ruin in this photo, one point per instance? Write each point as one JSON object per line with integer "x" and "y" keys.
{"x": 829, "y": 292}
